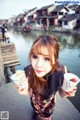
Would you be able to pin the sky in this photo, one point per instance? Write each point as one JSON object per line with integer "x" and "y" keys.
{"x": 10, "y": 8}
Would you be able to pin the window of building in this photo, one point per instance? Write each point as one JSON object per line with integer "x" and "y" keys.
{"x": 65, "y": 22}
{"x": 60, "y": 13}
{"x": 54, "y": 13}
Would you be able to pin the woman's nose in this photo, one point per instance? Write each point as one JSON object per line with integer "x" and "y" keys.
{"x": 39, "y": 63}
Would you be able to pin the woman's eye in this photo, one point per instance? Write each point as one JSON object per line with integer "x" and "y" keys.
{"x": 34, "y": 56}
{"x": 47, "y": 59}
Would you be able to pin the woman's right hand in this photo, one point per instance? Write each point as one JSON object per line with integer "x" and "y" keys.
{"x": 23, "y": 91}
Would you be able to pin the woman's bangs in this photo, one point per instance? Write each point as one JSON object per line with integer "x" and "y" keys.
{"x": 37, "y": 48}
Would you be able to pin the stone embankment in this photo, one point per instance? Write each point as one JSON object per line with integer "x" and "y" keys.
{"x": 2, "y": 78}
{"x": 58, "y": 29}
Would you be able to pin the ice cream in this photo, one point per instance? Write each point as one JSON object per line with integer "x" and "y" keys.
{"x": 20, "y": 79}
{"x": 70, "y": 81}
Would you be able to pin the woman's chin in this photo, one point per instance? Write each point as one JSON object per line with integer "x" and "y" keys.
{"x": 39, "y": 75}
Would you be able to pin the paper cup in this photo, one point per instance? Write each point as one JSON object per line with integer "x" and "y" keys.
{"x": 70, "y": 81}
{"x": 20, "y": 79}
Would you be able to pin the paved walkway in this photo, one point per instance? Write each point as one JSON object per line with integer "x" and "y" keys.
{"x": 20, "y": 109}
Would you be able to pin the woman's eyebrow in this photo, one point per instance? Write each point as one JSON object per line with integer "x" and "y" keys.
{"x": 47, "y": 55}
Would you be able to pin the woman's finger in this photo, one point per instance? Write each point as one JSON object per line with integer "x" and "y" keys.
{"x": 16, "y": 86}
{"x": 23, "y": 91}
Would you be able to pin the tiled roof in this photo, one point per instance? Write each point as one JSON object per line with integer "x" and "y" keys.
{"x": 73, "y": 7}
{"x": 78, "y": 8}
{"x": 46, "y": 7}
{"x": 58, "y": 8}
{"x": 69, "y": 17}
{"x": 32, "y": 9}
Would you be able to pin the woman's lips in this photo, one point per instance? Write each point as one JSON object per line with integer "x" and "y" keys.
{"x": 38, "y": 71}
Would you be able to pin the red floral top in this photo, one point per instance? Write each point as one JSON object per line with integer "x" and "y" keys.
{"x": 44, "y": 103}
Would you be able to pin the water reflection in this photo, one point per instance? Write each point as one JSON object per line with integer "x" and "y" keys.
{"x": 70, "y": 41}
{"x": 69, "y": 52}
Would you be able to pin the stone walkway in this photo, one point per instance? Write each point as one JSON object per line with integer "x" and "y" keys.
{"x": 19, "y": 107}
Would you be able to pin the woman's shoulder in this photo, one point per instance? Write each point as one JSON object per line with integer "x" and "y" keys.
{"x": 58, "y": 71}
{"x": 27, "y": 69}
{"x": 61, "y": 68}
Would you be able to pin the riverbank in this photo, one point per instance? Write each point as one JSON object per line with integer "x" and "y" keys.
{"x": 50, "y": 29}
{"x": 62, "y": 30}
{"x": 19, "y": 106}
{"x": 58, "y": 29}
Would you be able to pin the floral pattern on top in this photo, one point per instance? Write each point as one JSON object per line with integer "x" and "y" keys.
{"x": 43, "y": 107}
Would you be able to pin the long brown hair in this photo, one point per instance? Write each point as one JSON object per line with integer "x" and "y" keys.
{"x": 52, "y": 45}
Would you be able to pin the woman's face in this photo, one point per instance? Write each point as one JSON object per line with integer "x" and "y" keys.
{"x": 41, "y": 62}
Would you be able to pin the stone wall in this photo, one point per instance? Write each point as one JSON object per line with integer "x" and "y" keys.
{"x": 2, "y": 78}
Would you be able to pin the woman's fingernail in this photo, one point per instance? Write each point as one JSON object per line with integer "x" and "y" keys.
{"x": 67, "y": 93}
{"x": 74, "y": 89}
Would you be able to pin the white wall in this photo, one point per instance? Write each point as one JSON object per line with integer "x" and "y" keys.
{"x": 71, "y": 24}
{"x": 64, "y": 11}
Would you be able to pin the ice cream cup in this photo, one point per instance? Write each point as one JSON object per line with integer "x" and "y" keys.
{"x": 70, "y": 81}
{"x": 20, "y": 79}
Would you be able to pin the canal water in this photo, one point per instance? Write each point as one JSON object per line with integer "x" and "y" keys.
{"x": 69, "y": 53}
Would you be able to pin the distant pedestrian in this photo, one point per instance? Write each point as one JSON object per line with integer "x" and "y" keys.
{"x": 5, "y": 36}
{"x": 3, "y": 33}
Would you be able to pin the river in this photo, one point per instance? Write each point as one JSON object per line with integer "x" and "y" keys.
{"x": 69, "y": 53}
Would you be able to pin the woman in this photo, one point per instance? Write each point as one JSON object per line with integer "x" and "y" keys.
{"x": 45, "y": 77}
